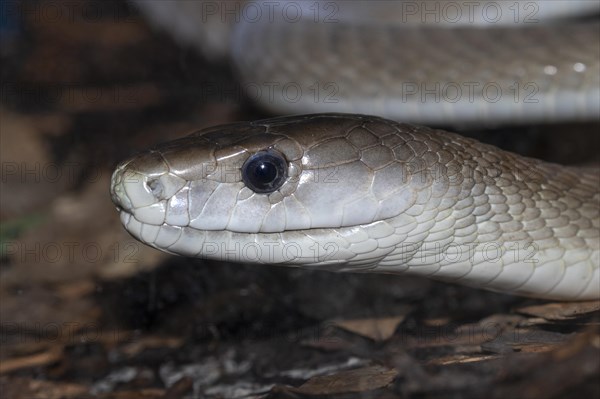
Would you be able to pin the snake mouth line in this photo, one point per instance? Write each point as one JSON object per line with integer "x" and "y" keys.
{"x": 378, "y": 214}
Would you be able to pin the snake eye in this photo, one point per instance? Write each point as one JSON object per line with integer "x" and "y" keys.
{"x": 264, "y": 172}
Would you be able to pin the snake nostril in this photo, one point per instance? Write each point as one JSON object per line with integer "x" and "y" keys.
{"x": 156, "y": 187}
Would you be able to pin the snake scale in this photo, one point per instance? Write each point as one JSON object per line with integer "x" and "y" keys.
{"x": 349, "y": 192}
{"x": 448, "y": 63}
{"x": 360, "y": 193}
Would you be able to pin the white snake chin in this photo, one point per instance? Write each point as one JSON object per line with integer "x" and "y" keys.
{"x": 367, "y": 194}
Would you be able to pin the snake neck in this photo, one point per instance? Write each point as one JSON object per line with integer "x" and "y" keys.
{"x": 487, "y": 216}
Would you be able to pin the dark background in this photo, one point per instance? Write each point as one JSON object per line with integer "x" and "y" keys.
{"x": 88, "y": 311}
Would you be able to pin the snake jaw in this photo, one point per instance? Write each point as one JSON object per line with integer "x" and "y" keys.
{"x": 369, "y": 194}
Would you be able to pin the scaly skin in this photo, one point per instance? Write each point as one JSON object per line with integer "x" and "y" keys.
{"x": 432, "y": 62}
{"x": 368, "y": 194}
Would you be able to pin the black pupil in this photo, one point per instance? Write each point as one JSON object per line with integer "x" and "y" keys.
{"x": 264, "y": 172}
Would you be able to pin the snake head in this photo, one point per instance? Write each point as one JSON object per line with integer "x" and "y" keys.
{"x": 351, "y": 192}
{"x": 291, "y": 176}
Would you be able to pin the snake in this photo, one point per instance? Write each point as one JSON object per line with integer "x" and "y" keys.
{"x": 436, "y": 63}
{"x": 334, "y": 187}
{"x": 349, "y": 192}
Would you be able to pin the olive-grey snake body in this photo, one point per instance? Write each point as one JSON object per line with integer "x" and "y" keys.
{"x": 361, "y": 193}
{"x": 452, "y": 63}
{"x": 358, "y": 193}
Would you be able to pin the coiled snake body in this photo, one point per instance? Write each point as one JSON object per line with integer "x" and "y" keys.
{"x": 359, "y": 193}
{"x": 432, "y": 62}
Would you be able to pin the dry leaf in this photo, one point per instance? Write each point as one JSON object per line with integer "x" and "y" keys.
{"x": 377, "y": 329}
{"x": 30, "y": 388}
{"x": 52, "y": 355}
{"x": 359, "y": 380}
{"x": 150, "y": 342}
{"x": 561, "y": 310}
